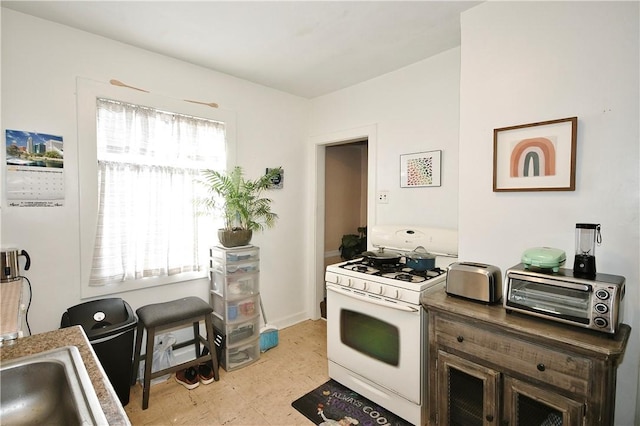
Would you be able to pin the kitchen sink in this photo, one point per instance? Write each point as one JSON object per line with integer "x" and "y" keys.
{"x": 51, "y": 387}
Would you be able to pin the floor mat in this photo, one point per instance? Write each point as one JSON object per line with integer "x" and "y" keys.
{"x": 333, "y": 404}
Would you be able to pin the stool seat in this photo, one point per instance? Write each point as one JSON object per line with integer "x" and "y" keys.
{"x": 159, "y": 314}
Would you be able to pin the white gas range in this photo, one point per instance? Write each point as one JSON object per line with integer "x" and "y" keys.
{"x": 394, "y": 283}
{"x": 376, "y": 328}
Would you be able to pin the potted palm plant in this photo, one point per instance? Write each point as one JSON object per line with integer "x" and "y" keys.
{"x": 240, "y": 201}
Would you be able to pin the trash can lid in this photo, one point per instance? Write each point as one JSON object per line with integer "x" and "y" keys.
{"x": 101, "y": 318}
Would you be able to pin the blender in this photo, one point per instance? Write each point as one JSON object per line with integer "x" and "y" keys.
{"x": 587, "y": 235}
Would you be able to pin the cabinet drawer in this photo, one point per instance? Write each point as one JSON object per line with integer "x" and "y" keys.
{"x": 236, "y": 333}
{"x": 564, "y": 370}
{"x": 235, "y": 286}
{"x": 234, "y": 356}
{"x": 234, "y": 311}
{"x": 235, "y": 268}
{"x": 226, "y": 255}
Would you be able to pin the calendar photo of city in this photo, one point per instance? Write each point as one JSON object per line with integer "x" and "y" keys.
{"x": 34, "y": 149}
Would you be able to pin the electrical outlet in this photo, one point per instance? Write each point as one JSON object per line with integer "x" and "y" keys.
{"x": 383, "y": 197}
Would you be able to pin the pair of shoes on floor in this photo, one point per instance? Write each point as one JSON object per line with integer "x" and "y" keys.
{"x": 191, "y": 377}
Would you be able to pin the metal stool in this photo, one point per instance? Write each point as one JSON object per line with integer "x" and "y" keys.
{"x": 167, "y": 315}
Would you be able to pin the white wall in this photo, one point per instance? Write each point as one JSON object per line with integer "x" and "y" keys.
{"x": 415, "y": 109}
{"x": 525, "y": 62}
{"x": 519, "y": 63}
{"x": 40, "y": 63}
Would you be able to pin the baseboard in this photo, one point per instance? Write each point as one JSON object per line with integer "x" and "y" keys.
{"x": 332, "y": 253}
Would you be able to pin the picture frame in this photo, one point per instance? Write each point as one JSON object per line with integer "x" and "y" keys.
{"x": 536, "y": 156}
{"x": 278, "y": 181}
{"x": 421, "y": 169}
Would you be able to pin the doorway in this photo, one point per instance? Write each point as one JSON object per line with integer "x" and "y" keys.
{"x": 354, "y": 143}
{"x": 345, "y": 208}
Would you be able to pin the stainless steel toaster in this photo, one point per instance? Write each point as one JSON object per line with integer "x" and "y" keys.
{"x": 475, "y": 281}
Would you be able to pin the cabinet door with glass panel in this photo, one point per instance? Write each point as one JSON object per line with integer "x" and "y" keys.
{"x": 468, "y": 393}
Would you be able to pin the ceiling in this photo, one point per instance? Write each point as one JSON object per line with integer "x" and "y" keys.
{"x": 306, "y": 48}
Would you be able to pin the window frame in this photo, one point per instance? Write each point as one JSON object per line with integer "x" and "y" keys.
{"x": 87, "y": 93}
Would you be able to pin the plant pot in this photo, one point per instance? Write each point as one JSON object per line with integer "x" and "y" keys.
{"x": 234, "y": 238}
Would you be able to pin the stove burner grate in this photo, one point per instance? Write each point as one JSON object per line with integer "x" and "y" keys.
{"x": 430, "y": 273}
{"x": 389, "y": 268}
{"x": 397, "y": 271}
{"x": 404, "y": 277}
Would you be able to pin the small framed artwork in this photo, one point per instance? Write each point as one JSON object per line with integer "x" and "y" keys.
{"x": 420, "y": 169}
{"x": 277, "y": 182}
{"x": 536, "y": 156}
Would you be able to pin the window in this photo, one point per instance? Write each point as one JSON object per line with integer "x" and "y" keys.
{"x": 148, "y": 165}
{"x": 140, "y": 158}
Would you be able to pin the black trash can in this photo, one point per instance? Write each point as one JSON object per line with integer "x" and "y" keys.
{"x": 110, "y": 326}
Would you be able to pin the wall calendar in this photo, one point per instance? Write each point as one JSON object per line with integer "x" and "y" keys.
{"x": 35, "y": 169}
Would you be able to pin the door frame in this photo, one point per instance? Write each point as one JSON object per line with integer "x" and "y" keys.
{"x": 316, "y": 192}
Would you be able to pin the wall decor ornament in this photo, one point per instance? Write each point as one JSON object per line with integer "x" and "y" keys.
{"x": 535, "y": 157}
{"x": 420, "y": 169}
{"x": 277, "y": 181}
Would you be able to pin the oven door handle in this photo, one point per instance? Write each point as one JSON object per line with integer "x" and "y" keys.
{"x": 368, "y": 299}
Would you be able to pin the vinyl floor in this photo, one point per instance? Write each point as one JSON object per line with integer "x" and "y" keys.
{"x": 259, "y": 394}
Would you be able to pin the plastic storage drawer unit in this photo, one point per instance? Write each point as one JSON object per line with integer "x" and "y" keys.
{"x": 235, "y": 298}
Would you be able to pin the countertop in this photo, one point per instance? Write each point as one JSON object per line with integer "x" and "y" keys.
{"x": 533, "y": 328}
{"x": 74, "y": 336}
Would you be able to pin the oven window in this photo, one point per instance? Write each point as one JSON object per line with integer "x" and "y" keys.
{"x": 556, "y": 301}
{"x": 370, "y": 336}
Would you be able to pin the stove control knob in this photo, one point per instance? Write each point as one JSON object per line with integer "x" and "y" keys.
{"x": 338, "y": 279}
{"x": 365, "y": 285}
{"x": 349, "y": 283}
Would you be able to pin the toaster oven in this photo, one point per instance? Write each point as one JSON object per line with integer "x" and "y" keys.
{"x": 589, "y": 303}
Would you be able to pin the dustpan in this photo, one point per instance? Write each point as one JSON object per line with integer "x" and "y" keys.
{"x": 268, "y": 333}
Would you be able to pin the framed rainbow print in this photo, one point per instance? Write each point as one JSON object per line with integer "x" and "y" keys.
{"x": 536, "y": 156}
{"x": 420, "y": 169}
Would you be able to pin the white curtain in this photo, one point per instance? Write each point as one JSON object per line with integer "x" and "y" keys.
{"x": 148, "y": 165}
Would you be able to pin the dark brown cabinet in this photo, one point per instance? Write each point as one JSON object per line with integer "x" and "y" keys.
{"x": 487, "y": 367}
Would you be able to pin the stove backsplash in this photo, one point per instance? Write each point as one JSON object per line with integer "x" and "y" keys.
{"x": 404, "y": 238}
